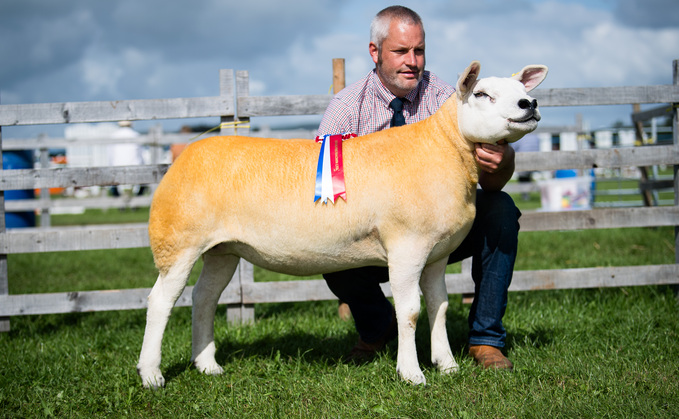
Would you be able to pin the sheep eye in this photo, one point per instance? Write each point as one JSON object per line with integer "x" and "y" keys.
{"x": 482, "y": 95}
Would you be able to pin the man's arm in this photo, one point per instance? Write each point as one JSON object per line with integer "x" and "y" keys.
{"x": 336, "y": 119}
{"x": 496, "y": 162}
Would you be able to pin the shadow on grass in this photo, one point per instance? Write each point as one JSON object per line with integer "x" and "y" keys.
{"x": 312, "y": 347}
{"x": 307, "y": 347}
{"x": 54, "y": 324}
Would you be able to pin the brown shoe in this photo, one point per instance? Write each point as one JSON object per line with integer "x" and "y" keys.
{"x": 490, "y": 357}
{"x": 364, "y": 352}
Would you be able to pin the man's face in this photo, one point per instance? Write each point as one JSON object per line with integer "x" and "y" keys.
{"x": 400, "y": 64}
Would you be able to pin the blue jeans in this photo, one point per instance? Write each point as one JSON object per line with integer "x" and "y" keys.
{"x": 492, "y": 244}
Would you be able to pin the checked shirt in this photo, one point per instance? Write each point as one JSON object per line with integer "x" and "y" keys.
{"x": 363, "y": 107}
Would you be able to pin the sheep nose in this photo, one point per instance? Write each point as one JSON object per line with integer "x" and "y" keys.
{"x": 526, "y": 104}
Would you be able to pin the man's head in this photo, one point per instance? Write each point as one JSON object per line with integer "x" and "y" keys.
{"x": 397, "y": 48}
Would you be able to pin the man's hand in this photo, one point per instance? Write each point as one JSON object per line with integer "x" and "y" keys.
{"x": 496, "y": 162}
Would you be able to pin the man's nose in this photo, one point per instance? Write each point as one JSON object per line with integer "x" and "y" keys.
{"x": 410, "y": 58}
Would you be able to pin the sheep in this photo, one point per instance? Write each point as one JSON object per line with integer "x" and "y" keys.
{"x": 410, "y": 202}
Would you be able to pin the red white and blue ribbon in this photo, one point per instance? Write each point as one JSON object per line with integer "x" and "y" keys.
{"x": 330, "y": 169}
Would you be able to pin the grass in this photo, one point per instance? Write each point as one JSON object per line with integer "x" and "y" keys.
{"x": 578, "y": 353}
{"x": 581, "y": 353}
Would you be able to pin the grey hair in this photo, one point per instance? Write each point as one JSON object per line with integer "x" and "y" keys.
{"x": 379, "y": 28}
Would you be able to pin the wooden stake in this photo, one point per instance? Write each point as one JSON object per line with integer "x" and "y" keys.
{"x": 338, "y": 77}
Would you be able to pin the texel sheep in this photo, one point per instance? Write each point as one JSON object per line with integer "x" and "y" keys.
{"x": 410, "y": 201}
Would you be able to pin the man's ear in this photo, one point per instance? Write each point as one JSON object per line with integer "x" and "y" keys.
{"x": 531, "y": 76}
{"x": 374, "y": 52}
{"x": 466, "y": 82}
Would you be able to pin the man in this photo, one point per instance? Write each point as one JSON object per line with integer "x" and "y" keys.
{"x": 397, "y": 48}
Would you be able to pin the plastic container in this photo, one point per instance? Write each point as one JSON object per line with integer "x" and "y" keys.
{"x": 567, "y": 193}
{"x": 19, "y": 159}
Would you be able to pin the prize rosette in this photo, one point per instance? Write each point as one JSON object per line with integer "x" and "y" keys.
{"x": 330, "y": 169}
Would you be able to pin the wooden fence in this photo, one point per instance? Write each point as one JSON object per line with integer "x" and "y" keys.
{"x": 242, "y": 293}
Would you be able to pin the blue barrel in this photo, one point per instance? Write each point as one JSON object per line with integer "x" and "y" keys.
{"x": 19, "y": 159}
{"x": 565, "y": 173}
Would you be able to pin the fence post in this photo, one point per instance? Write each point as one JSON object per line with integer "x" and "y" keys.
{"x": 339, "y": 83}
{"x": 45, "y": 196}
{"x": 4, "y": 278}
{"x": 338, "y": 75}
{"x": 675, "y": 133}
{"x": 232, "y": 125}
{"x": 242, "y": 127}
{"x": 156, "y": 150}
{"x": 646, "y": 195}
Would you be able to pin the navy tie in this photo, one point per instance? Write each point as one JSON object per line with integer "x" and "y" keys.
{"x": 398, "y": 119}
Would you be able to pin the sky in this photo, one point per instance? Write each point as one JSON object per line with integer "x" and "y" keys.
{"x": 83, "y": 50}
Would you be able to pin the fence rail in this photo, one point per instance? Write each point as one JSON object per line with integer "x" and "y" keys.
{"x": 122, "y": 110}
{"x": 54, "y": 239}
{"x": 243, "y": 291}
{"x": 64, "y": 177}
{"x": 624, "y": 95}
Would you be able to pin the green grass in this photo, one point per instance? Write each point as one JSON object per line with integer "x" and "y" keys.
{"x": 95, "y": 216}
{"x": 578, "y": 353}
{"x": 582, "y": 353}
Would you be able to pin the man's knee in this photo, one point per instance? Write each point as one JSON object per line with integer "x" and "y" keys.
{"x": 358, "y": 283}
{"x": 498, "y": 203}
{"x": 497, "y": 210}
{"x": 498, "y": 218}
{"x": 340, "y": 282}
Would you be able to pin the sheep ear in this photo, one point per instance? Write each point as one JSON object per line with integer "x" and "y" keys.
{"x": 466, "y": 82}
{"x": 531, "y": 76}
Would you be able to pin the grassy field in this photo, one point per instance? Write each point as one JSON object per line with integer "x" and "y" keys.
{"x": 578, "y": 353}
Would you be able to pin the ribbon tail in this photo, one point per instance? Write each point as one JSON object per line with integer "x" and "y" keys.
{"x": 319, "y": 174}
{"x": 326, "y": 189}
{"x": 337, "y": 168}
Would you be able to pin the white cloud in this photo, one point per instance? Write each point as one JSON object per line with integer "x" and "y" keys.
{"x": 83, "y": 50}
{"x": 583, "y": 47}
{"x": 101, "y": 76}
